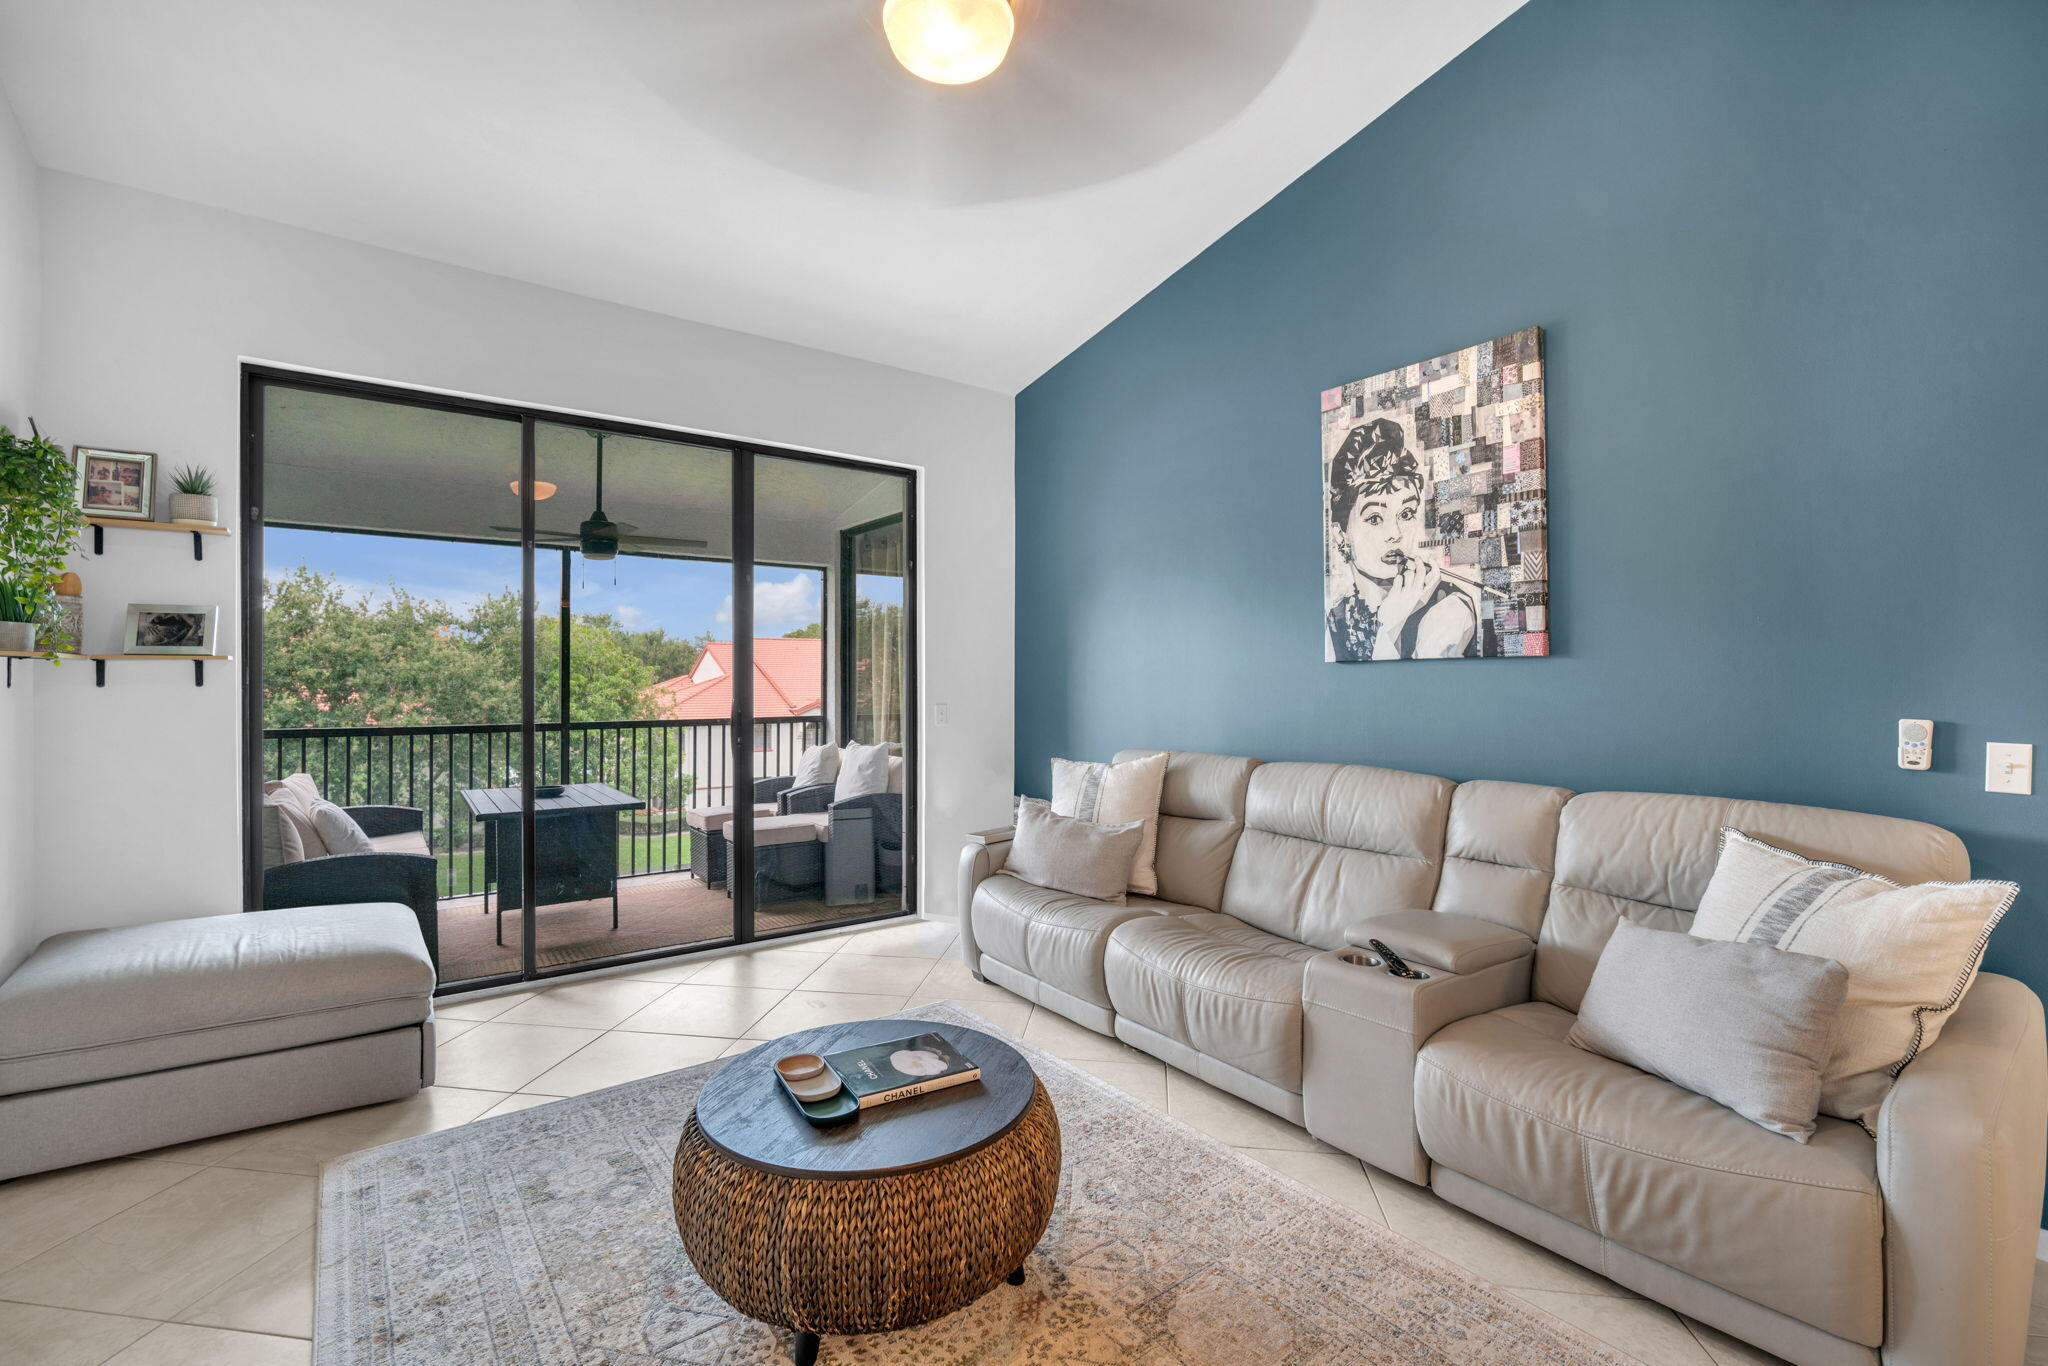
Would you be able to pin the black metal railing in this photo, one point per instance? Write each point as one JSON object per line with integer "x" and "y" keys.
{"x": 671, "y": 765}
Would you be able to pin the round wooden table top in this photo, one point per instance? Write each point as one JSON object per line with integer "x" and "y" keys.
{"x": 744, "y": 1112}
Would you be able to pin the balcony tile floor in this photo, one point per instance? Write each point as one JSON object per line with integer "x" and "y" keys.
{"x": 202, "y": 1253}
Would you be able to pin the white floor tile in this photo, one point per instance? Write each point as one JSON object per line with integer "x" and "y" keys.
{"x": 178, "y": 1344}
{"x": 1648, "y": 1332}
{"x": 809, "y": 1009}
{"x": 504, "y": 1057}
{"x": 617, "y": 1057}
{"x": 586, "y": 1005}
{"x": 711, "y": 1012}
{"x": 39, "y": 1335}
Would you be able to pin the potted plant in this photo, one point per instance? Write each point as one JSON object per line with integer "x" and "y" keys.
{"x": 192, "y": 497}
{"x": 38, "y": 518}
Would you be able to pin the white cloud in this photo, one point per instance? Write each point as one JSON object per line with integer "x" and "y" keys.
{"x": 630, "y": 617}
{"x": 779, "y": 605}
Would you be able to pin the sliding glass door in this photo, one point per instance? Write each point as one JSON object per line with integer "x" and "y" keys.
{"x": 562, "y": 676}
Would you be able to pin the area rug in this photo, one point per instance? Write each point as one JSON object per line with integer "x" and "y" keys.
{"x": 544, "y": 1237}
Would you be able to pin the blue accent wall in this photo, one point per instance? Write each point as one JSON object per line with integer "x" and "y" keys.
{"x": 1792, "y": 265}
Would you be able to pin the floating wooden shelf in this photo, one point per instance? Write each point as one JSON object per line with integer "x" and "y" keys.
{"x": 198, "y": 663}
{"x": 100, "y": 524}
{"x": 11, "y": 655}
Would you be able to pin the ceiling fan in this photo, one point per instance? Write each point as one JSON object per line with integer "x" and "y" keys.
{"x": 599, "y": 537}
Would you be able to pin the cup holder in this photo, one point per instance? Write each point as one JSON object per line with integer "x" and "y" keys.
{"x": 1362, "y": 960}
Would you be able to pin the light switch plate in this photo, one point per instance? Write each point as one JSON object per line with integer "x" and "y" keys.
{"x": 942, "y": 714}
{"x": 2009, "y": 768}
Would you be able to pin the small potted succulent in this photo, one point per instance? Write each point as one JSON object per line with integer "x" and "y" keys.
{"x": 39, "y": 516}
{"x": 192, "y": 499}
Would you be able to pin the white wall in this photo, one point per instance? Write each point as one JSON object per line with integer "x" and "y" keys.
{"x": 150, "y": 304}
{"x": 20, "y": 290}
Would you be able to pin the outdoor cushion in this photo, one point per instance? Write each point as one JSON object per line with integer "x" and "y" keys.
{"x": 1056, "y": 938}
{"x": 1222, "y": 987}
{"x": 403, "y": 842}
{"x": 1504, "y": 1099}
{"x": 718, "y": 817}
{"x": 95, "y": 1004}
{"x": 798, "y": 829}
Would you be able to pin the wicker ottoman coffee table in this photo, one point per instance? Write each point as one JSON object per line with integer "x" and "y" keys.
{"x": 899, "y": 1217}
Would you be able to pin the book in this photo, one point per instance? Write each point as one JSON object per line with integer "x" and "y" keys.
{"x": 881, "y": 1072}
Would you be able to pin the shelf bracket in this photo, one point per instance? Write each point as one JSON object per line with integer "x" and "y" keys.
{"x": 198, "y": 546}
{"x": 99, "y": 673}
{"x": 10, "y": 671}
{"x": 198, "y": 665}
{"x": 99, "y": 539}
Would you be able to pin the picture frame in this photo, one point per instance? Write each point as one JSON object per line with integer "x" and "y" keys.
{"x": 169, "y": 628}
{"x": 115, "y": 484}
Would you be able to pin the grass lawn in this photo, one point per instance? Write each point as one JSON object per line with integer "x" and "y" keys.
{"x": 463, "y": 874}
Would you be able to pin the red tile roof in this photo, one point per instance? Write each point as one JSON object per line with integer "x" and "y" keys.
{"x": 789, "y": 680}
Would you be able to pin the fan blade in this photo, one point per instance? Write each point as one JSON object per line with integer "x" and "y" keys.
{"x": 665, "y": 540}
{"x": 539, "y": 532}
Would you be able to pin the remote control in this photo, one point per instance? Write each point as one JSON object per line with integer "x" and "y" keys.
{"x": 1396, "y": 964}
{"x": 1916, "y": 743}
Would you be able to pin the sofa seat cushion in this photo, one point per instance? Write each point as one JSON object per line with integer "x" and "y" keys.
{"x": 1504, "y": 1099}
{"x": 1216, "y": 984}
{"x": 803, "y": 828}
{"x": 95, "y": 1004}
{"x": 709, "y": 818}
{"x": 403, "y": 842}
{"x": 1052, "y": 936}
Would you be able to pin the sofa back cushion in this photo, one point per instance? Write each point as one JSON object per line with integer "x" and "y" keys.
{"x": 1201, "y": 813}
{"x": 1500, "y": 851}
{"x": 1648, "y": 856}
{"x": 1326, "y": 845}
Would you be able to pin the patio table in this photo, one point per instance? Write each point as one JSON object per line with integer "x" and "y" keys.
{"x": 577, "y": 854}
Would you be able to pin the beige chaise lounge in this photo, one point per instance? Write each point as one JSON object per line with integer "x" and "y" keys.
{"x": 1912, "y": 1245}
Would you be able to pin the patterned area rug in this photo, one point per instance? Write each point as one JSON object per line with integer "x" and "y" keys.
{"x": 544, "y": 1238}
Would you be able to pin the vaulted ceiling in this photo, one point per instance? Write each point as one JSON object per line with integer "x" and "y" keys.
{"x": 761, "y": 165}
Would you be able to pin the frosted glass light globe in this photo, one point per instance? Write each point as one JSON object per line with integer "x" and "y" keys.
{"x": 949, "y": 42}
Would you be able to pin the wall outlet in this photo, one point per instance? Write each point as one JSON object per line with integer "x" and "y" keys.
{"x": 2009, "y": 768}
{"x": 942, "y": 714}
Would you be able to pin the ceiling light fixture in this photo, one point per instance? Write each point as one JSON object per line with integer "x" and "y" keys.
{"x": 542, "y": 490}
{"x": 949, "y": 42}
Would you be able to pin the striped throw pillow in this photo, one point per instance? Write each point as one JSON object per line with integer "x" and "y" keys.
{"x": 1911, "y": 952}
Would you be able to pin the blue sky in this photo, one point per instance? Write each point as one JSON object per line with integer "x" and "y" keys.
{"x": 685, "y": 597}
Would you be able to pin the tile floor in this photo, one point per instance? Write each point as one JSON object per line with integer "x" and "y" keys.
{"x": 202, "y": 1255}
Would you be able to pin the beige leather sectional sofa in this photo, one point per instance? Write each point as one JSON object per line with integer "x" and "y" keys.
{"x": 1913, "y": 1245}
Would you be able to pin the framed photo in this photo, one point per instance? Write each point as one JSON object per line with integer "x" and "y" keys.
{"x": 167, "y": 628}
{"x": 115, "y": 483}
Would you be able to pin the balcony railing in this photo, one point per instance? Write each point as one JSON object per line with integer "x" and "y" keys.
{"x": 672, "y": 765}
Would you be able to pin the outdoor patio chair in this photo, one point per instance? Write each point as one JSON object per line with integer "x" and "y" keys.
{"x": 401, "y": 869}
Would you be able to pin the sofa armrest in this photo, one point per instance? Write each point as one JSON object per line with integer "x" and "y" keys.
{"x": 344, "y": 879}
{"x": 1961, "y": 1141}
{"x": 797, "y": 801}
{"x": 1361, "y": 1030}
{"x": 771, "y": 789}
{"x": 981, "y": 858}
{"x": 387, "y": 820}
{"x": 1444, "y": 940}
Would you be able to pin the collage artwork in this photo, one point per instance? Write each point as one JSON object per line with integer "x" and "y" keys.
{"x": 1434, "y": 515}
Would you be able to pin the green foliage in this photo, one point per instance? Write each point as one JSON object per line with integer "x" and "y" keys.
{"x": 669, "y": 656}
{"x": 811, "y": 632}
{"x": 332, "y": 659}
{"x": 38, "y": 517}
{"x": 877, "y": 671}
{"x": 193, "y": 479}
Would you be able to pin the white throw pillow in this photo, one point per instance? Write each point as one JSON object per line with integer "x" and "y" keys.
{"x": 295, "y": 798}
{"x": 819, "y": 765}
{"x": 863, "y": 771}
{"x": 1115, "y": 794}
{"x": 1911, "y": 952}
{"x": 281, "y": 842}
{"x": 338, "y": 830}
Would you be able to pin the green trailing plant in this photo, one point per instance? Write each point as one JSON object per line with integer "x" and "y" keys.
{"x": 38, "y": 517}
{"x": 192, "y": 479}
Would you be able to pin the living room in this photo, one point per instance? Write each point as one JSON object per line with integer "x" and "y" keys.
{"x": 612, "y": 560}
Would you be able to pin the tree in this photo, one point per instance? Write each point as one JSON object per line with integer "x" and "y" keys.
{"x": 669, "y": 656}
{"x": 811, "y": 632}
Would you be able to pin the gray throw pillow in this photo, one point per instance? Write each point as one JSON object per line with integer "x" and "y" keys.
{"x": 1073, "y": 856}
{"x": 863, "y": 770}
{"x": 1747, "y": 1025}
{"x": 339, "y": 831}
{"x": 819, "y": 765}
